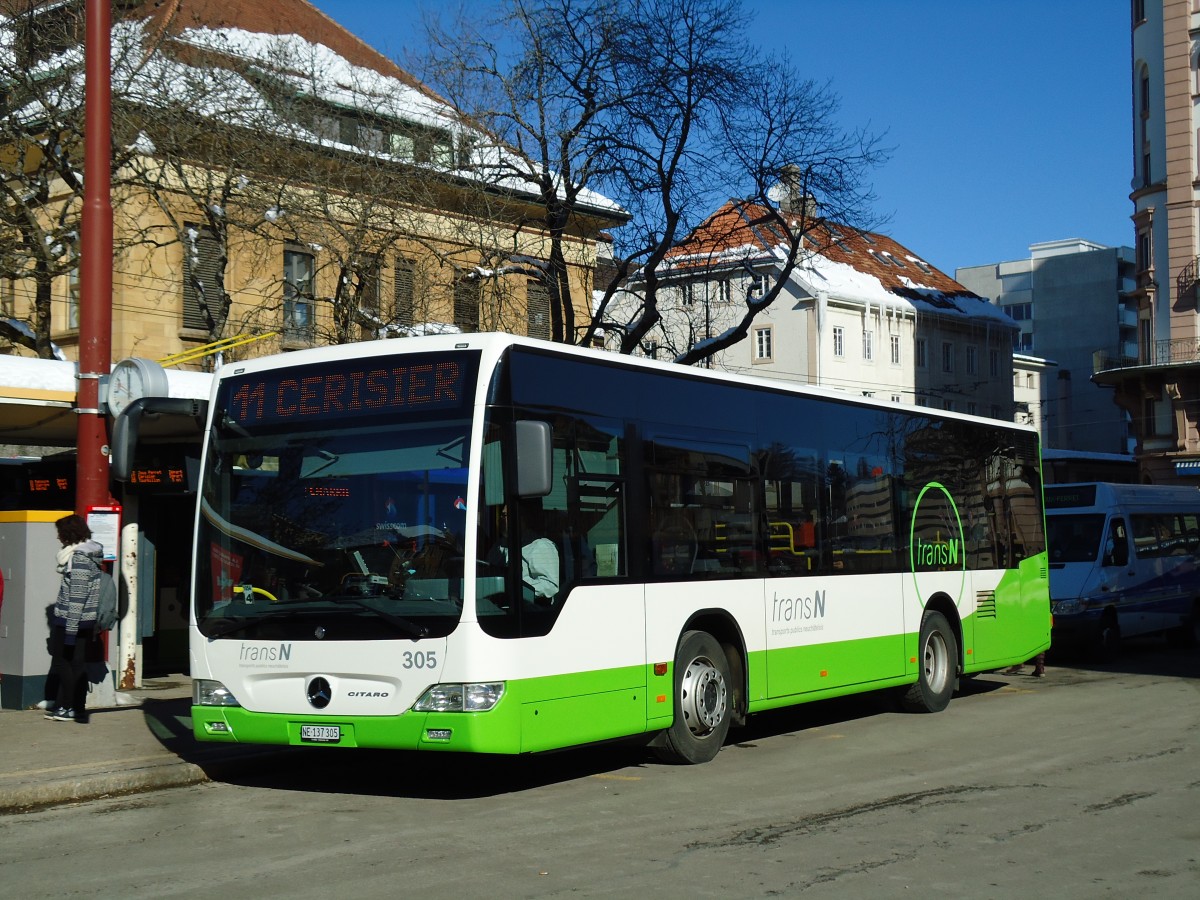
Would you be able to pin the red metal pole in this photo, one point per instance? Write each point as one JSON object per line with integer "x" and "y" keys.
{"x": 96, "y": 258}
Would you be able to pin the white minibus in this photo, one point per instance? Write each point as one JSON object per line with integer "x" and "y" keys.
{"x": 1124, "y": 561}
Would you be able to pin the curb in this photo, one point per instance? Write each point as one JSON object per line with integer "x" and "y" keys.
{"x": 151, "y": 777}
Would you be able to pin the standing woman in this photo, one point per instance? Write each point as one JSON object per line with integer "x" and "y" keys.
{"x": 74, "y": 619}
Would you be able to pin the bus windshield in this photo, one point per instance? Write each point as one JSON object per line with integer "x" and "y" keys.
{"x": 350, "y": 528}
{"x": 1074, "y": 538}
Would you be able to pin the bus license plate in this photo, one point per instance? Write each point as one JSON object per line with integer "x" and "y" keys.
{"x": 321, "y": 734}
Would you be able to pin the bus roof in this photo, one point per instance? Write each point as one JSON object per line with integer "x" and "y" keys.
{"x": 1103, "y": 495}
{"x": 493, "y": 344}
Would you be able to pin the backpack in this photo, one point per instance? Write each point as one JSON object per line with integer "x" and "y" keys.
{"x": 106, "y": 609}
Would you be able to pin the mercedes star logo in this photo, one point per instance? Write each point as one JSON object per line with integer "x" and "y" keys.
{"x": 319, "y": 693}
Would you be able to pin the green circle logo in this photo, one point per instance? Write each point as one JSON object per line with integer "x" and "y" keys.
{"x": 935, "y": 539}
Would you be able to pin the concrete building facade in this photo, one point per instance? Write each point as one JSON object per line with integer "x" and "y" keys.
{"x": 1069, "y": 298}
{"x": 1157, "y": 379}
{"x": 859, "y": 313}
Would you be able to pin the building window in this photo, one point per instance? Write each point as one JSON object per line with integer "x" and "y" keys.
{"x": 1022, "y": 312}
{"x": 8, "y": 297}
{"x": 994, "y": 362}
{"x": 764, "y": 345}
{"x": 298, "y": 298}
{"x": 467, "y": 291}
{"x": 895, "y": 342}
{"x": 689, "y": 293}
{"x": 896, "y": 398}
{"x": 920, "y": 357}
{"x": 947, "y": 356}
{"x": 537, "y": 295}
{"x": 758, "y": 286}
{"x": 948, "y": 405}
{"x": 650, "y": 348}
{"x": 73, "y": 299}
{"x": 839, "y": 340}
{"x": 1030, "y": 381}
{"x": 1145, "y": 256}
{"x": 972, "y": 407}
{"x": 202, "y": 288}
{"x": 724, "y": 291}
{"x": 403, "y": 292}
{"x": 868, "y": 349}
{"x": 972, "y": 360}
{"x": 1016, "y": 379}
{"x": 368, "y": 297}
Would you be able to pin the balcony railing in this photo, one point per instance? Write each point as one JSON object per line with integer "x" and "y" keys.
{"x": 1161, "y": 353}
{"x": 1186, "y": 280}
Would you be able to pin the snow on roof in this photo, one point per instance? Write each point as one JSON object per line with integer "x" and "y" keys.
{"x": 835, "y": 261}
{"x": 59, "y": 376}
{"x": 303, "y": 62}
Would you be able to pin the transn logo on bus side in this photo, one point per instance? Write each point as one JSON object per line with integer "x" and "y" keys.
{"x": 936, "y": 542}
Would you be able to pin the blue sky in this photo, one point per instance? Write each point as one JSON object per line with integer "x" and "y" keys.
{"x": 1010, "y": 122}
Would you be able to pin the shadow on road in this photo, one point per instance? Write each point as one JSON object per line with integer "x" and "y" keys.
{"x": 426, "y": 775}
{"x": 1136, "y": 656}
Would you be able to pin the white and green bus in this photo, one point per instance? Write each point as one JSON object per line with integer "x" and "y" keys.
{"x": 693, "y": 548}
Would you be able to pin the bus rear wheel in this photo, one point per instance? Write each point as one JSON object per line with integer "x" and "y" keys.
{"x": 702, "y": 701}
{"x": 937, "y": 656}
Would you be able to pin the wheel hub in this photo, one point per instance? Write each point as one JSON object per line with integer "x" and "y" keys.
{"x": 703, "y": 696}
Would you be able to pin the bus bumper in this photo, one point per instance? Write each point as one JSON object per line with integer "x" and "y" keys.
{"x": 490, "y": 732}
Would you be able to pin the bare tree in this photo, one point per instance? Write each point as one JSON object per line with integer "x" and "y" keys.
{"x": 666, "y": 108}
{"x": 41, "y": 129}
{"x": 326, "y": 171}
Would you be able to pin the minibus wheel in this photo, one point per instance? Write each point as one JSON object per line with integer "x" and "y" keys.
{"x": 937, "y": 659}
{"x": 703, "y": 701}
{"x": 1108, "y": 640}
{"x": 1184, "y": 634}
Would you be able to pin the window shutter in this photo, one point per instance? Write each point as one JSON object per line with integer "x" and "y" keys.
{"x": 404, "y": 289}
{"x": 538, "y": 312}
{"x": 202, "y": 289}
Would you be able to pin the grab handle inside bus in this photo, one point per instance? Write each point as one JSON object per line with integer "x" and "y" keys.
{"x": 534, "y": 458}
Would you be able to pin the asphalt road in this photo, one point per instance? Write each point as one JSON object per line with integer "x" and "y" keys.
{"x": 1083, "y": 784}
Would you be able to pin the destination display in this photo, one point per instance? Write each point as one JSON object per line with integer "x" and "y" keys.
{"x": 416, "y": 383}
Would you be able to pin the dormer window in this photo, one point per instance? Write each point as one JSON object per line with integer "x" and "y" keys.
{"x": 406, "y": 141}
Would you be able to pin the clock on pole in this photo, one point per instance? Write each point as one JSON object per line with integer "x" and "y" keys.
{"x": 132, "y": 379}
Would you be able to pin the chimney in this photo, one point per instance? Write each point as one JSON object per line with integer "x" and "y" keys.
{"x": 792, "y": 199}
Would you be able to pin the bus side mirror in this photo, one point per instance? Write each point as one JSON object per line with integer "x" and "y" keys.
{"x": 127, "y": 426}
{"x": 534, "y": 458}
{"x": 124, "y": 441}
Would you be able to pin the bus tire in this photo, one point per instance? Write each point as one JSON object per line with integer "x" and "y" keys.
{"x": 937, "y": 657}
{"x": 1183, "y": 635}
{"x": 1108, "y": 638}
{"x": 702, "y": 701}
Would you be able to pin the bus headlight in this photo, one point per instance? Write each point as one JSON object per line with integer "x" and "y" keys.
{"x": 478, "y": 697}
{"x": 212, "y": 693}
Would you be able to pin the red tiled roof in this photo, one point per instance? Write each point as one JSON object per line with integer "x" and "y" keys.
{"x": 739, "y": 224}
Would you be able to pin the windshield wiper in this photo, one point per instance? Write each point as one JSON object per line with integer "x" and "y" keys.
{"x": 408, "y": 626}
{"x": 234, "y": 625}
{"x": 242, "y": 623}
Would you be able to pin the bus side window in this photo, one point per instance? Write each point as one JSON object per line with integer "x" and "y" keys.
{"x": 1116, "y": 546}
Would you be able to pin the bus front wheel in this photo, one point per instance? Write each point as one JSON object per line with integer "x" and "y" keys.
{"x": 702, "y": 701}
{"x": 937, "y": 656}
